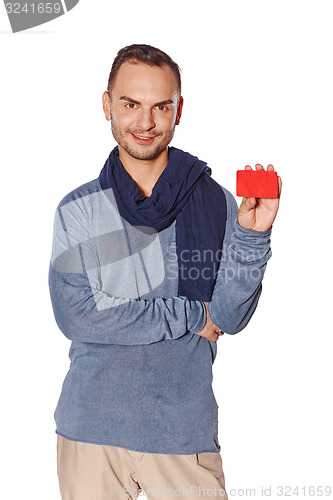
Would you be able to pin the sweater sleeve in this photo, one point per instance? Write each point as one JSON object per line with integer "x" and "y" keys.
{"x": 239, "y": 281}
{"x": 85, "y": 312}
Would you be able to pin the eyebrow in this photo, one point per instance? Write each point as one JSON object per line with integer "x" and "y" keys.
{"x": 161, "y": 103}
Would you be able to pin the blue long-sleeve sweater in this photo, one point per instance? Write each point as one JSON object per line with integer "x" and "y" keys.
{"x": 140, "y": 377}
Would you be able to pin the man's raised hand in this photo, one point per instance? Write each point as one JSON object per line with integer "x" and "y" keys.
{"x": 259, "y": 213}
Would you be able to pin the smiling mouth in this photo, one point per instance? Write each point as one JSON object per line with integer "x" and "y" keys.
{"x": 143, "y": 139}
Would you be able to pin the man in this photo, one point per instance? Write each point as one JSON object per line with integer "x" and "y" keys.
{"x": 150, "y": 265}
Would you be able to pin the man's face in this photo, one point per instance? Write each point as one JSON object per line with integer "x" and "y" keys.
{"x": 144, "y": 109}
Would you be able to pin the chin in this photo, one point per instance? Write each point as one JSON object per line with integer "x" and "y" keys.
{"x": 144, "y": 153}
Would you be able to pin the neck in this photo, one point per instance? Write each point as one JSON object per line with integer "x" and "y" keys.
{"x": 145, "y": 173}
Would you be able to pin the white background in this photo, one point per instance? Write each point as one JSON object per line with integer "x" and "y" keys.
{"x": 257, "y": 86}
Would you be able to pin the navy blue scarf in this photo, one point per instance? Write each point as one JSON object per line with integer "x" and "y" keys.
{"x": 184, "y": 190}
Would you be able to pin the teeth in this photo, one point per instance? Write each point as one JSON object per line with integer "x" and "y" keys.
{"x": 144, "y": 138}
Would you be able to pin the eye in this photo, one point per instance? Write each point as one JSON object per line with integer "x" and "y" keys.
{"x": 130, "y": 105}
{"x": 162, "y": 108}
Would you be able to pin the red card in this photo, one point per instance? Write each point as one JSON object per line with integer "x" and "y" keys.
{"x": 257, "y": 184}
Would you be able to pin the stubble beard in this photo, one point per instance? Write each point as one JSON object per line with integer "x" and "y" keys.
{"x": 150, "y": 153}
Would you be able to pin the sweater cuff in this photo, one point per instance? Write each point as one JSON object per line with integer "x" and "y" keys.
{"x": 196, "y": 316}
{"x": 250, "y": 235}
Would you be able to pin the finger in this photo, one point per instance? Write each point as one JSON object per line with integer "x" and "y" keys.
{"x": 213, "y": 337}
{"x": 259, "y": 166}
{"x": 270, "y": 168}
{"x": 280, "y": 185}
{"x": 248, "y": 167}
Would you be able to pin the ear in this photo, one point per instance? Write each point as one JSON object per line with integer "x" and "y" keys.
{"x": 179, "y": 110}
{"x": 106, "y": 106}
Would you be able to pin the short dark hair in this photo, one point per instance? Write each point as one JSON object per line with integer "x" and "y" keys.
{"x": 146, "y": 54}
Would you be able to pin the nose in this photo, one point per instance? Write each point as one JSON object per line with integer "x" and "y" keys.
{"x": 145, "y": 119}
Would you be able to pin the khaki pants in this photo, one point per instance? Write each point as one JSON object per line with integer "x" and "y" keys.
{"x": 94, "y": 472}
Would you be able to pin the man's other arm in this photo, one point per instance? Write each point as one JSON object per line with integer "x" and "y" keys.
{"x": 122, "y": 321}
